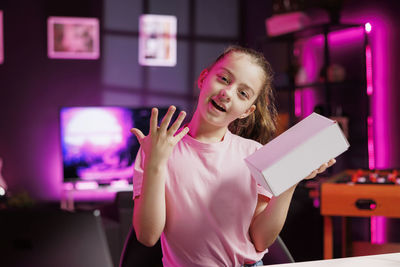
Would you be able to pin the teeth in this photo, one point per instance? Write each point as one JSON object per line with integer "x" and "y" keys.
{"x": 217, "y": 106}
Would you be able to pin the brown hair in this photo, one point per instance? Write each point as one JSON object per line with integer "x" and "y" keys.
{"x": 261, "y": 124}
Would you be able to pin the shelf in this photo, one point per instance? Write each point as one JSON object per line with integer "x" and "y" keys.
{"x": 347, "y": 97}
{"x": 312, "y": 31}
{"x": 320, "y": 84}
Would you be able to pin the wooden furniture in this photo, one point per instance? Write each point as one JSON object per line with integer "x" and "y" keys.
{"x": 358, "y": 193}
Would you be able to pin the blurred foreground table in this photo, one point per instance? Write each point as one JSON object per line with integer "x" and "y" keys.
{"x": 383, "y": 260}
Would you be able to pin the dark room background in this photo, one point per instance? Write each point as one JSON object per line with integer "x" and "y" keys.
{"x": 33, "y": 87}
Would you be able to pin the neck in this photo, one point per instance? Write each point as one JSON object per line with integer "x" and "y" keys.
{"x": 205, "y": 132}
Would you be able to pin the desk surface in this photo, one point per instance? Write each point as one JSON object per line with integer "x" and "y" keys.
{"x": 382, "y": 260}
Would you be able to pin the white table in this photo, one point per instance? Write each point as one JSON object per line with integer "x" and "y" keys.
{"x": 382, "y": 260}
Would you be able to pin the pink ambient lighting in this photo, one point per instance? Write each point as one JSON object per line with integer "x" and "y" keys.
{"x": 310, "y": 58}
{"x": 297, "y": 103}
{"x": 371, "y": 145}
{"x": 97, "y": 127}
{"x": 379, "y": 124}
{"x": 68, "y": 186}
{"x": 378, "y": 229}
{"x": 1, "y": 38}
{"x": 316, "y": 203}
{"x": 119, "y": 184}
{"x": 309, "y": 99}
{"x": 368, "y": 59}
{"x": 95, "y": 141}
{"x": 2, "y": 191}
{"x": 368, "y": 27}
{"x": 382, "y": 86}
{"x": 370, "y": 90}
{"x": 86, "y": 185}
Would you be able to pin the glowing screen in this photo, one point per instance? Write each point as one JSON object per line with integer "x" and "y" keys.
{"x": 97, "y": 144}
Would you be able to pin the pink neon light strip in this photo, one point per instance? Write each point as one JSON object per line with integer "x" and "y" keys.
{"x": 1, "y": 38}
{"x": 371, "y": 145}
{"x": 368, "y": 58}
{"x": 378, "y": 223}
{"x": 297, "y": 103}
{"x": 370, "y": 90}
{"x": 378, "y": 226}
{"x": 368, "y": 27}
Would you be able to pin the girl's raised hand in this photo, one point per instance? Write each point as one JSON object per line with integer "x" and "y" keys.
{"x": 322, "y": 168}
{"x": 158, "y": 144}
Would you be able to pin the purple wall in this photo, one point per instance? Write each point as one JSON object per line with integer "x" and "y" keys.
{"x": 32, "y": 89}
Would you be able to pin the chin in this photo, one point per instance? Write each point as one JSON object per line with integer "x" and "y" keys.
{"x": 219, "y": 122}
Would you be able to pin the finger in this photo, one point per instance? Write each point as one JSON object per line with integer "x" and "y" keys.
{"x": 138, "y": 133}
{"x": 323, "y": 167}
{"x": 177, "y": 123}
{"x": 312, "y": 174}
{"x": 331, "y": 162}
{"x": 153, "y": 120}
{"x": 167, "y": 118}
{"x": 181, "y": 134}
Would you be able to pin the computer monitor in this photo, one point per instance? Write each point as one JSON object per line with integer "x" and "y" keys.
{"x": 97, "y": 144}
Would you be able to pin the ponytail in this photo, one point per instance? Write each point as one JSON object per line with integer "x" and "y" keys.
{"x": 261, "y": 124}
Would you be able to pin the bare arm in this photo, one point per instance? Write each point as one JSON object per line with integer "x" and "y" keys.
{"x": 149, "y": 214}
{"x": 149, "y": 208}
{"x": 269, "y": 217}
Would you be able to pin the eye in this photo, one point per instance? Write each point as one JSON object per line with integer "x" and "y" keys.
{"x": 244, "y": 94}
{"x": 224, "y": 79}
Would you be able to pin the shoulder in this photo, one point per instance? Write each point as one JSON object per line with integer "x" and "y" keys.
{"x": 244, "y": 143}
{"x": 241, "y": 140}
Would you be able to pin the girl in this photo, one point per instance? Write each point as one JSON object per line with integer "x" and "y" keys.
{"x": 192, "y": 186}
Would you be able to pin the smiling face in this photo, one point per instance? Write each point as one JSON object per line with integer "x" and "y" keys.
{"x": 229, "y": 89}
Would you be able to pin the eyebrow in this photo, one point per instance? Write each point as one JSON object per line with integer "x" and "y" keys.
{"x": 242, "y": 84}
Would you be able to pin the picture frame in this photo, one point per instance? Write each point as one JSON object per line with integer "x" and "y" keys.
{"x": 73, "y": 38}
{"x": 1, "y": 38}
{"x": 157, "y": 40}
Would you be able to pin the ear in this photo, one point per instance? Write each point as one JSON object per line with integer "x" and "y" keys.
{"x": 201, "y": 78}
{"x": 248, "y": 112}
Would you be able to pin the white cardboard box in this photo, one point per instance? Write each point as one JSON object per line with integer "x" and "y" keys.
{"x": 294, "y": 154}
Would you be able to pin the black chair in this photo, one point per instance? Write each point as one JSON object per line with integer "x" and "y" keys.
{"x": 278, "y": 253}
{"x": 136, "y": 254}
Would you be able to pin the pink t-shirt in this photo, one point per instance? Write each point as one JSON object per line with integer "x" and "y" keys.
{"x": 210, "y": 201}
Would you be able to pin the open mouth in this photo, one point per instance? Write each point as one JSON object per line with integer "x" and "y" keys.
{"x": 217, "y": 106}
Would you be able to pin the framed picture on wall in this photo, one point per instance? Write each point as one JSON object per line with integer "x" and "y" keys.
{"x": 157, "y": 40}
{"x": 73, "y": 38}
{"x": 1, "y": 38}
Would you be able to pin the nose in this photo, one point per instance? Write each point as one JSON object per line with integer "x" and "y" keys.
{"x": 226, "y": 93}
